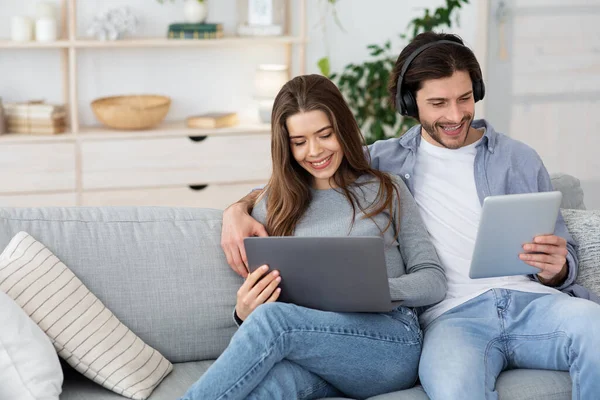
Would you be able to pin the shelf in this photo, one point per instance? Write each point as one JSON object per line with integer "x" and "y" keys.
{"x": 28, "y": 138}
{"x": 9, "y": 44}
{"x": 170, "y": 129}
{"x": 152, "y": 42}
{"x": 163, "y": 42}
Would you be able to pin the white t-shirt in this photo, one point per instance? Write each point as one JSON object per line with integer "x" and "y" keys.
{"x": 445, "y": 192}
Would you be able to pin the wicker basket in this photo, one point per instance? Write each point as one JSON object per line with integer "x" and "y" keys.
{"x": 131, "y": 112}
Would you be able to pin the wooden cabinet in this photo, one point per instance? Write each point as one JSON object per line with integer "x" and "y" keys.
{"x": 39, "y": 200}
{"x": 173, "y": 166}
{"x": 208, "y": 196}
{"x": 175, "y": 161}
{"x": 37, "y": 167}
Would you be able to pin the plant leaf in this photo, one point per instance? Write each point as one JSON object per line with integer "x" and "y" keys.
{"x": 324, "y": 66}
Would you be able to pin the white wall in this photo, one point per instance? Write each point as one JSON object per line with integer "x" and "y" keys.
{"x": 546, "y": 91}
{"x": 373, "y": 22}
{"x": 201, "y": 79}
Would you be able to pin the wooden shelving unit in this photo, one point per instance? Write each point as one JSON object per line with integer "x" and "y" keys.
{"x": 81, "y": 137}
{"x": 69, "y": 44}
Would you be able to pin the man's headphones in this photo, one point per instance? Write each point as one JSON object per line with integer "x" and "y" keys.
{"x": 405, "y": 101}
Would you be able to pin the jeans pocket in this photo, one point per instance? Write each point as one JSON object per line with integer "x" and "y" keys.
{"x": 408, "y": 317}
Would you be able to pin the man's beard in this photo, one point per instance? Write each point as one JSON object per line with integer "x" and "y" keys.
{"x": 438, "y": 137}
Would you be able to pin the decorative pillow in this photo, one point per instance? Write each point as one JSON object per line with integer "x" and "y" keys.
{"x": 29, "y": 366}
{"x": 84, "y": 332}
{"x": 584, "y": 226}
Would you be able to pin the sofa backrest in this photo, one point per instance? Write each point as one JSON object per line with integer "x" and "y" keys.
{"x": 571, "y": 190}
{"x": 161, "y": 271}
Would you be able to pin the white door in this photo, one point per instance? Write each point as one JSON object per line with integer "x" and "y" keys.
{"x": 543, "y": 82}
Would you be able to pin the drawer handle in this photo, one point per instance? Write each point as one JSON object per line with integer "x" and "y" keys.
{"x": 197, "y": 188}
{"x": 197, "y": 138}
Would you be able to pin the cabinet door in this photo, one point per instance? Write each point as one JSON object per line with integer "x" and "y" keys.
{"x": 175, "y": 161}
{"x": 205, "y": 196}
{"x": 37, "y": 167}
{"x": 39, "y": 200}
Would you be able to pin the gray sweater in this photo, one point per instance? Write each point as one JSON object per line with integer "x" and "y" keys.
{"x": 415, "y": 275}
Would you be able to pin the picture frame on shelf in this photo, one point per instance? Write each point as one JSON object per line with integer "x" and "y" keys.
{"x": 261, "y": 17}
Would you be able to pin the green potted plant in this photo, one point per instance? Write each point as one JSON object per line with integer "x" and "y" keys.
{"x": 364, "y": 85}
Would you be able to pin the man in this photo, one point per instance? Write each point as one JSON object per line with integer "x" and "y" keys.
{"x": 450, "y": 163}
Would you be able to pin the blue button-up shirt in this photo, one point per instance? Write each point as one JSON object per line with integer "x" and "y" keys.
{"x": 502, "y": 166}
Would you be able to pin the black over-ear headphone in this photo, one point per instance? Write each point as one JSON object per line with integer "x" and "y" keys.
{"x": 405, "y": 100}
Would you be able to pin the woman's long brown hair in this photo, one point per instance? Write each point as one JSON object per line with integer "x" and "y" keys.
{"x": 289, "y": 187}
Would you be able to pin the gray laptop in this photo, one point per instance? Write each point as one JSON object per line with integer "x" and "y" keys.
{"x": 343, "y": 274}
{"x": 507, "y": 223}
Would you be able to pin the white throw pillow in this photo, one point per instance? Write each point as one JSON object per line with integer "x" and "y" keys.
{"x": 84, "y": 332}
{"x": 29, "y": 366}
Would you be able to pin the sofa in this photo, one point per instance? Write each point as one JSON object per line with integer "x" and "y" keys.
{"x": 161, "y": 271}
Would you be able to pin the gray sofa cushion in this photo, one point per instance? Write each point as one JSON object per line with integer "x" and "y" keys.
{"x": 584, "y": 226}
{"x": 530, "y": 384}
{"x": 161, "y": 271}
{"x": 416, "y": 393}
{"x": 517, "y": 384}
{"x": 76, "y": 387}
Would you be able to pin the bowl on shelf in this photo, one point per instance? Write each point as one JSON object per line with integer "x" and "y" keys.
{"x": 131, "y": 112}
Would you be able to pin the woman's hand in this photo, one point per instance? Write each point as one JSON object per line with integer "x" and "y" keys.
{"x": 256, "y": 290}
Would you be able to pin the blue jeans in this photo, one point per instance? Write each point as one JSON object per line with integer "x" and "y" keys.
{"x": 283, "y": 351}
{"x": 466, "y": 348}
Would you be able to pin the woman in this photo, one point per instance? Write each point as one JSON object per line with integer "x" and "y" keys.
{"x": 322, "y": 185}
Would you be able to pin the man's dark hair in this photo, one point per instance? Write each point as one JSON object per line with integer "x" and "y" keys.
{"x": 436, "y": 62}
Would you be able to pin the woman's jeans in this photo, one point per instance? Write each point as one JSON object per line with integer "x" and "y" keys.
{"x": 284, "y": 351}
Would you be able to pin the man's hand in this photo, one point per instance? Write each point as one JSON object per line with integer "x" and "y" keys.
{"x": 552, "y": 260}
{"x": 237, "y": 225}
{"x": 255, "y": 292}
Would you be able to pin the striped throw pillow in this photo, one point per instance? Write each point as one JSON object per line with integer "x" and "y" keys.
{"x": 84, "y": 332}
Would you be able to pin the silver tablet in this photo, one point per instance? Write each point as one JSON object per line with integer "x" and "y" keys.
{"x": 507, "y": 223}
{"x": 343, "y": 274}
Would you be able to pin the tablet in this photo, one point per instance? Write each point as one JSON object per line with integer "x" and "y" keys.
{"x": 342, "y": 274}
{"x": 507, "y": 223}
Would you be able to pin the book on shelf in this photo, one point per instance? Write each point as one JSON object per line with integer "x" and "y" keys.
{"x": 182, "y": 26}
{"x": 195, "y": 31}
{"x": 213, "y": 120}
{"x": 194, "y": 35}
{"x": 55, "y": 119}
{"x": 34, "y": 110}
{"x": 36, "y": 130}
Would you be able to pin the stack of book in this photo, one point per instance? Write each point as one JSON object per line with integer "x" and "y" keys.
{"x": 195, "y": 31}
{"x": 213, "y": 120}
{"x": 35, "y": 118}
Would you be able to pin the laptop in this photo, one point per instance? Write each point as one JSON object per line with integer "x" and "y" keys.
{"x": 507, "y": 223}
{"x": 341, "y": 274}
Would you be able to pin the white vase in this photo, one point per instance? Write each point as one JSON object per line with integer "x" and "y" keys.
{"x": 21, "y": 29}
{"x": 45, "y": 30}
{"x": 195, "y": 11}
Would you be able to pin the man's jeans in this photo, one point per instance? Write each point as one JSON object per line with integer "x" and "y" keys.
{"x": 466, "y": 348}
{"x": 283, "y": 351}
